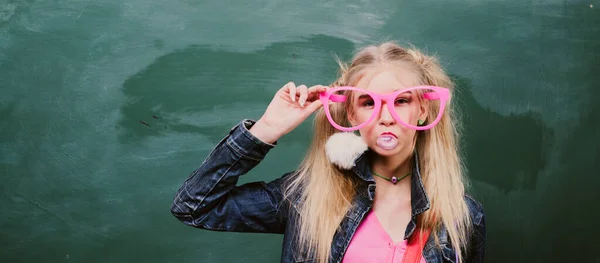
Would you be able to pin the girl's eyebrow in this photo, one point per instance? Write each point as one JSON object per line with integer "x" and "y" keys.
{"x": 407, "y": 92}
{"x": 401, "y": 89}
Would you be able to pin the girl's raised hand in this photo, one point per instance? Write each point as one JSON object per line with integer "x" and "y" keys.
{"x": 290, "y": 106}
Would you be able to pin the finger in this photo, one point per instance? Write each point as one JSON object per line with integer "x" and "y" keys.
{"x": 292, "y": 90}
{"x": 303, "y": 93}
{"x": 317, "y": 89}
{"x": 314, "y": 91}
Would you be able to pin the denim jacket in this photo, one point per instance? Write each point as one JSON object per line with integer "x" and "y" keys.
{"x": 210, "y": 199}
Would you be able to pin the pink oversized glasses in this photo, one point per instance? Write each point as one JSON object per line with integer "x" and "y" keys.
{"x": 394, "y": 101}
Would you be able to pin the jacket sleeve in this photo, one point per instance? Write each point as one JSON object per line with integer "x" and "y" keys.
{"x": 209, "y": 198}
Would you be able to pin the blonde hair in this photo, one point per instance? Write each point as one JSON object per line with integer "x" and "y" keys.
{"x": 326, "y": 192}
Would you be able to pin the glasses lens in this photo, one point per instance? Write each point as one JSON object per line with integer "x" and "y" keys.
{"x": 409, "y": 105}
{"x": 346, "y": 102}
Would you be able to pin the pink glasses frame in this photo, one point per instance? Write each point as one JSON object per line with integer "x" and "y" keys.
{"x": 439, "y": 93}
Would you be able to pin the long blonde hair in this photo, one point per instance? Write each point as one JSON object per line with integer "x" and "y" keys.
{"x": 317, "y": 179}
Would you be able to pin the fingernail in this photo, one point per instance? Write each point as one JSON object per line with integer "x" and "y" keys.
{"x": 302, "y": 103}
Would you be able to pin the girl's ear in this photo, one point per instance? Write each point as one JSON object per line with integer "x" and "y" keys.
{"x": 351, "y": 118}
{"x": 423, "y": 110}
{"x": 350, "y": 115}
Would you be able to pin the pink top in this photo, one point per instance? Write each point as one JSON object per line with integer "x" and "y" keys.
{"x": 372, "y": 244}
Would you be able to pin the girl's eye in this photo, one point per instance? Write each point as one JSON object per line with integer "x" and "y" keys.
{"x": 368, "y": 103}
{"x": 402, "y": 101}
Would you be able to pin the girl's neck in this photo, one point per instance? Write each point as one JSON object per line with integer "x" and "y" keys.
{"x": 389, "y": 167}
{"x": 392, "y": 165}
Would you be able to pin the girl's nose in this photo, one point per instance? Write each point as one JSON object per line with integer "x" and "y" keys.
{"x": 385, "y": 118}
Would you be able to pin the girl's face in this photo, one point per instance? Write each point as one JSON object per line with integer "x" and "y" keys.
{"x": 394, "y": 138}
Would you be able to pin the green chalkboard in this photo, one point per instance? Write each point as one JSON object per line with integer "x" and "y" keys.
{"x": 107, "y": 106}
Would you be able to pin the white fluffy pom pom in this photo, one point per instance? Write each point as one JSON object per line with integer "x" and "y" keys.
{"x": 343, "y": 148}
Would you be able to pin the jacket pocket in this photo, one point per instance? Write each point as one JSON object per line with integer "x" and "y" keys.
{"x": 448, "y": 254}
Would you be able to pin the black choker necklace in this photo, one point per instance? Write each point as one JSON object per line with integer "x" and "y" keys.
{"x": 394, "y": 179}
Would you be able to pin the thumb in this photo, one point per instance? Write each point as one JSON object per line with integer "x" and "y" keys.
{"x": 314, "y": 105}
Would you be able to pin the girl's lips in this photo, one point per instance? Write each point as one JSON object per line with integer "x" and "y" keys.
{"x": 389, "y": 133}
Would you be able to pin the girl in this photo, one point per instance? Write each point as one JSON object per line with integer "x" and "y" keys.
{"x": 382, "y": 180}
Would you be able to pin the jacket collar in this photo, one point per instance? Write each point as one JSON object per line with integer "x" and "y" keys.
{"x": 419, "y": 199}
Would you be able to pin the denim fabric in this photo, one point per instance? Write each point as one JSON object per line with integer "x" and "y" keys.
{"x": 210, "y": 199}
